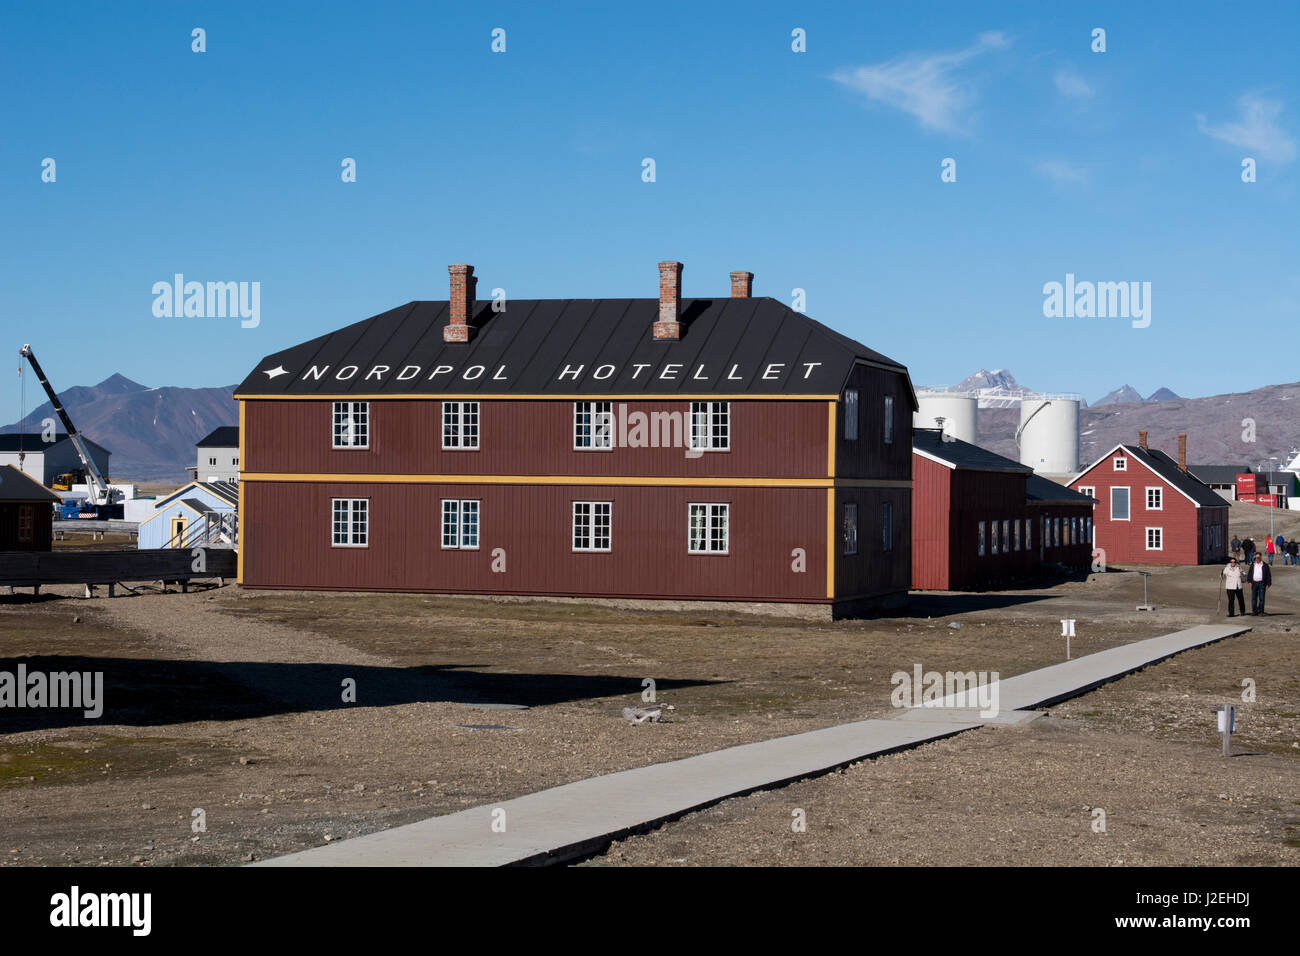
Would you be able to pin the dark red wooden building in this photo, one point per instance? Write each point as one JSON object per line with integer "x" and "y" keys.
{"x": 1152, "y": 510}
{"x": 26, "y": 512}
{"x": 728, "y": 449}
{"x": 980, "y": 520}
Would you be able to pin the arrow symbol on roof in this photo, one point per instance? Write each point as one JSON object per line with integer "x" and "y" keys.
{"x": 273, "y": 372}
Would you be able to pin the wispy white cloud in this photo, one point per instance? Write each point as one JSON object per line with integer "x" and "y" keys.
{"x": 926, "y": 86}
{"x": 1070, "y": 83}
{"x": 1256, "y": 129}
{"x": 1062, "y": 171}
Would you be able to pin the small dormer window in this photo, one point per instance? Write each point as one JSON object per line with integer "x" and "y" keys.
{"x": 1121, "y": 463}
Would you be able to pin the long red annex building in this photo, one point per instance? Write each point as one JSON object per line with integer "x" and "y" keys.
{"x": 672, "y": 448}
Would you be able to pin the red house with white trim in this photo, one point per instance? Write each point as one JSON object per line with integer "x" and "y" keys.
{"x": 1151, "y": 510}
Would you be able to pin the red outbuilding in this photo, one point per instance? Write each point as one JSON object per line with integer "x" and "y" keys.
{"x": 1151, "y": 510}
{"x": 26, "y": 512}
{"x": 980, "y": 520}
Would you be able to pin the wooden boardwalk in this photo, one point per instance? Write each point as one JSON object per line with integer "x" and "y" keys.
{"x": 33, "y": 569}
{"x": 581, "y": 818}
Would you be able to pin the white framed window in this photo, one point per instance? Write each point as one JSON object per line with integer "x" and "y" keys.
{"x": 851, "y": 414}
{"x": 1121, "y": 463}
{"x": 592, "y": 525}
{"x": 26, "y": 523}
{"x": 593, "y": 426}
{"x": 889, "y": 419}
{"x": 1155, "y": 539}
{"x": 708, "y": 528}
{"x": 887, "y": 525}
{"x": 1119, "y": 503}
{"x": 460, "y": 524}
{"x": 351, "y": 425}
{"x": 980, "y": 547}
{"x": 1088, "y": 490}
{"x": 711, "y": 426}
{"x": 460, "y": 426}
{"x": 850, "y": 528}
{"x": 350, "y": 522}
{"x": 1015, "y": 535}
{"x": 1155, "y": 499}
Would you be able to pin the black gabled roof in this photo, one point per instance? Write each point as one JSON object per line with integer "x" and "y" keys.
{"x": 1044, "y": 490}
{"x": 32, "y": 442}
{"x": 961, "y": 454}
{"x": 1220, "y": 474}
{"x": 1167, "y": 468}
{"x": 225, "y": 436}
{"x": 16, "y": 485}
{"x": 537, "y": 339}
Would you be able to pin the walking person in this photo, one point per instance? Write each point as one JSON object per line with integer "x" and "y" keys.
{"x": 1293, "y": 549}
{"x": 1248, "y": 546}
{"x": 1232, "y": 576}
{"x": 1261, "y": 578}
{"x": 1280, "y": 544}
{"x": 1236, "y": 546}
{"x": 1268, "y": 546}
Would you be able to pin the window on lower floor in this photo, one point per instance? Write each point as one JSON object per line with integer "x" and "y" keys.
{"x": 460, "y": 523}
{"x": 980, "y": 546}
{"x": 1155, "y": 539}
{"x": 1015, "y": 535}
{"x": 1119, "y": 504}
{"x": 592, "y": 525}
{"x": 887, "y": 525}
{"x": 351, "y": 522}
{"x": 850, "y": 528}
{"x": 26, "y": 523}
{"x": 1056, "y": 532}
{"x": 1006, "y": 536}
{"x": 708, "y": 528}
{"x": 1029, "y": 534}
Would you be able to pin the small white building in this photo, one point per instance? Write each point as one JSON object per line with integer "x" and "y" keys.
{"x": 44, "y": 461}
{"x": 218, "y": 457}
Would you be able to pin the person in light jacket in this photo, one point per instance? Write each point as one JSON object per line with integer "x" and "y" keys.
{"x": 1261, "y": 578}
{"x": 1232, "y": 577}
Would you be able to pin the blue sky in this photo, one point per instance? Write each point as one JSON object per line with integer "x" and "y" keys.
{"x": 816, "y": 170}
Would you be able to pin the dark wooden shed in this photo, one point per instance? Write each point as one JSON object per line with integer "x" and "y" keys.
{"x": 26, "y": 512}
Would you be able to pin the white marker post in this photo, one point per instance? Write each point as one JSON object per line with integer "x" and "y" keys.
{"x": 1227, "y": 724}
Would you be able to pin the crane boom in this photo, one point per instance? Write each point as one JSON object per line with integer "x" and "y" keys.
{"x": 101, "y": 493}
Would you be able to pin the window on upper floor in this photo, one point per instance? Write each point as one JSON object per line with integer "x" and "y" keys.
{"x": 1121, "y": 463}
{"x": 889, "y": 419}
{"x": 851, "y": 414}
{"x": 460, "y": 426}
{"x": 593, "y": 426}
{"x": 351, "y": 425}
{"x": 711, "y": 426}
{"x": 1119, "y": 504}
{"x": 1155, "y": 499}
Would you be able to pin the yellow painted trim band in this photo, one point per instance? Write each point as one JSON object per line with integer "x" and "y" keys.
{"x": 590, "y": 397}
{"x": 830, "y": 440}
{"x": 239, "y": 518}
{"x": 666, "y": 481}
{"x": 830, "y": 542}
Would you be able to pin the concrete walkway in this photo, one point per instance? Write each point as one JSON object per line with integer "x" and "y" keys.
{"x": 580, "y": 818}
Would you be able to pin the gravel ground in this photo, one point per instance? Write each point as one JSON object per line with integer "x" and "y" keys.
{"x": 230, "y": 702}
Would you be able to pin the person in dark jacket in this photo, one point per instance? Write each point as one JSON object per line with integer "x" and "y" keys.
{"x": 1260, "y": 576}
{"x": 1280, "y": 543}
{"x": 1248, "y": 547}
{"x": 1293, "y": 549}
{"x": 1236, "y": 546}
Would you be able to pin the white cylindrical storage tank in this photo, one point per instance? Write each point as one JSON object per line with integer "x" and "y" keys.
{"x": 959, "y": 411}
{"x": 1049, "y": 433}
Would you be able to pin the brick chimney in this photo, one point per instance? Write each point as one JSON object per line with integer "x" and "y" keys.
{"x": 670, "y": 301}
{"x": 1182, "y": 452}
{"x": 461, "y": 301}
{"x": 742, "y": 285}
{"x": 1142, "y": 440}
